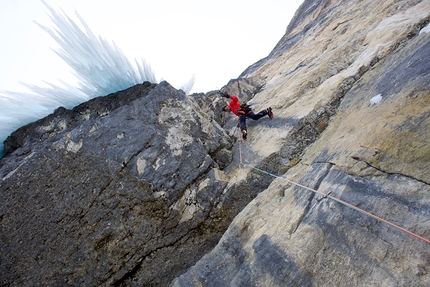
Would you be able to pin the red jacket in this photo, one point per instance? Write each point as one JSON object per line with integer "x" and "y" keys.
{"x": 234, "y": 104}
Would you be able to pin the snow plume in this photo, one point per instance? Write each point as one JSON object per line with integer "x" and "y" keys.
{"x": 100, "y": 68}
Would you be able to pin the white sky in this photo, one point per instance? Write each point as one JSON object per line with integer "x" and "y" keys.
{"x": 213, "y": 40}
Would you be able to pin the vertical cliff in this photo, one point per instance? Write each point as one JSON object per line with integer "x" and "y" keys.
{"x": 350, "y": 86}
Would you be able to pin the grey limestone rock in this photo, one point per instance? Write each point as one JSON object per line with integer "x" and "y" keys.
{"x": 150, "y": 187}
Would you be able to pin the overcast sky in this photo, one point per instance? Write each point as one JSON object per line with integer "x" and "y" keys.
{"x": 213, "y": 40}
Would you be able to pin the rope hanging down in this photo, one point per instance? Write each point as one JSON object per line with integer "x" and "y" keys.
{"x": 335, "y": 199}
{"x": 237, "y": 131}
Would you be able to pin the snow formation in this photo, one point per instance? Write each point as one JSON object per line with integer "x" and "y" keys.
{"x": 100, "y": 68}
{"x": 376, "y": 99}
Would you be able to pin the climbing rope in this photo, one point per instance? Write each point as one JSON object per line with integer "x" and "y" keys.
{"x": 239, "y": 141}
{"x": 328, "y": 195}
{"x": 240, "y": 149}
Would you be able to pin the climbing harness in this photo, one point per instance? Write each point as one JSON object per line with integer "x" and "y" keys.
{"x": 244, "y": 109}
{"x": 328, "y": 195}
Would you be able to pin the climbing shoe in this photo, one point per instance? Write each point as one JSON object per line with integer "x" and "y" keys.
{"x": 270, "y": 113}
{"x": 244, "y": 134}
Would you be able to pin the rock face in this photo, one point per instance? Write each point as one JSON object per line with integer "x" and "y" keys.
{"x": 331, "y": 135}
{"x": 124, "y": 189}
{"x": 148, "y": 187}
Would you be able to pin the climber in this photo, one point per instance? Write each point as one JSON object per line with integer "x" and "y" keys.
{"x": 243, "y": 111}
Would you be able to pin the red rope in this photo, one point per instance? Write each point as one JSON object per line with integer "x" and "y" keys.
{"x": 345, "y": 203}
{"x": 377, "y": 217}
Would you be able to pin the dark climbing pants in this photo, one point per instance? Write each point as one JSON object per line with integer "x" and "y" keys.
{"x": 251, "y": 115}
